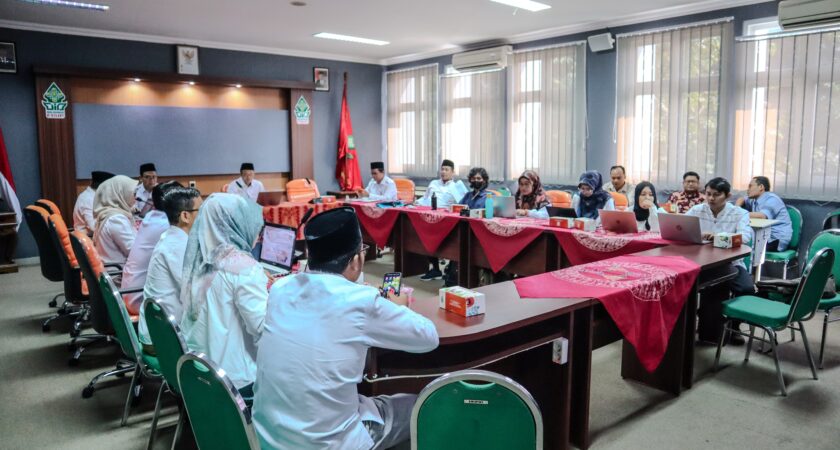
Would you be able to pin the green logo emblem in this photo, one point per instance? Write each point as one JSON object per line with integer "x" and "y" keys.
{"x": 302, "y": 111}
{"x": 351, "y": 143}
{"x": 54, "y": 101}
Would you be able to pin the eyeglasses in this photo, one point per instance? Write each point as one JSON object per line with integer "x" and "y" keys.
{"x": 364, "y": 249}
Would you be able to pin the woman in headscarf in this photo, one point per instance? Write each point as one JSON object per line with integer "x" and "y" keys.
{"x": 591, "y": 196}
{"x": 114, "y": 234}
{"x": 224, "y": 290}
{"x": 646, "y": 207}
{"x": 530, "y": 194}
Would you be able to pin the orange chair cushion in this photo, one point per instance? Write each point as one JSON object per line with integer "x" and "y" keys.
{"x": 64, "y": 238}
{"x": 301, "y": 190}
{"x": 43, "y": 212}
{"x": 559, "y": 199}
{"x": 620, "y": 200}
{"x": 90, "y": 253}
{"x": 51, "y": 204}
{"x": 405, "y": 189}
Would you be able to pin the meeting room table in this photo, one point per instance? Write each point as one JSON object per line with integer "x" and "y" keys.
{"x": 291, "y": 213}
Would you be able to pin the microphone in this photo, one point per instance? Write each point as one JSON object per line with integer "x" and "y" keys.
{"x": 306, "y": 216}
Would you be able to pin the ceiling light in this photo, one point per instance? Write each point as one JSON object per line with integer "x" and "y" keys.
{"x": 192, "y": 83}
{"x": 524, "y": 4}
{"x": 136, "y": 80}
{"x": 296, "y": 3}
{"x": 342, "y": 37}
{"x": 69, "y": 4}
{"x": 238, "y": 86}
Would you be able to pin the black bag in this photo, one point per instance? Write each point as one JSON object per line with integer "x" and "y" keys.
{"x": 788, "y": 287}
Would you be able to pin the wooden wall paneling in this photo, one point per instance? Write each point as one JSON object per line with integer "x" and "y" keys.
{"x": 301, "y": 134}
{"x": 208, "y": 184}
{"x": 56, "y": 148}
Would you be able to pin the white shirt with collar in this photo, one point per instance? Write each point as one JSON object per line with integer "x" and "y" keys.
{"x": 448, "y": 193}
{"x": 115, "y": 239}
{"x": 385, "y": 190}
{"x": 732, "y": 219}
{"x": 134, "y": 272}
{"x": 163, "y": 279}
{"x": 311, "y": 357}
{"x": 142, "y": 201}
{"x": 83, "y": 219}
{"x": 251, "y": 191}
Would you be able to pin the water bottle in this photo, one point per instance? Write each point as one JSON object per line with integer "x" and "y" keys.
{"x": 434, "y": 201}
{"x": 488, "y": 206}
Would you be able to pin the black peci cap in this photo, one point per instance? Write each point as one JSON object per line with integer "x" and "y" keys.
{"x": 332, "y": 234}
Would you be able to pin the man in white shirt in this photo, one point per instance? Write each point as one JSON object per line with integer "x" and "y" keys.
{"x": 446, "y": 191}
{"x": 163, "y": 279}
{"x": 153, "y": 226}
{"x": 318, "y": 329}
{"x": 381, "y": 187}
{"x": 143, "y": 193}
{"x": 83, "y": 219}
{"x": 717, "y": 215}
{"x": 618, "y": 183}
{"x": 246, "y": 185}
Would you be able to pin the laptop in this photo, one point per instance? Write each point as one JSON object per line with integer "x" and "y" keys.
{"x": 504, "y": 207}
{"x": 278, "y": 248}
{"x": 271, "y": 198}
{"x": 681, "y": 227}
{"x": 618, "y": 221}
{"x": 557, "y": 211}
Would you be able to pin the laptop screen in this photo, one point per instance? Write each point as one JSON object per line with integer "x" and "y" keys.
{"x": 278, "y": 245}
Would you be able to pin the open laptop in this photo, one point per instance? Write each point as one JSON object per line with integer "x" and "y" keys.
{"x": 557, "y": 211}
{"x": 278, "y": 248}
{"x": 681, "y": 227}
{"x": 504, "y": 207}
{"x": 271, "y": 198}
{"x": 618, "y": 221}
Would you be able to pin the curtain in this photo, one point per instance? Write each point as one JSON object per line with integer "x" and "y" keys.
{"x": 412, "y": 131}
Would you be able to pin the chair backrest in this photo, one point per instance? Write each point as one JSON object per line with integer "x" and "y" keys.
{"x": 504, "y": 191}
{"x": 218, "y": 414}
{"x": 454, "y": 412}
{"x": 405, "y": 189}
{"x": 807, "y": 297}
{"x": 559, "y": 199}
{"x": 49, "y": 205}
{"x": 36, "y": 219}
{"x": 302, "y": 190}
{"x": 832, "y": 220}
{"x": 167, "y": 339}
{"x": 796, "y": 223}
{"x": 123, "y": 328}
{"x": 494, "y": 192}
{"x": 225, "y": 187}
{"x": 620, "y": 200}
{"x": 74, "y": 287}
{"x": 827, "y": 239}
{"x": 92, "y": 269}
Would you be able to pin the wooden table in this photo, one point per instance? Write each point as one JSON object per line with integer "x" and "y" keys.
{"x": 761, "y": 230}
{"x": 8, "y": 242}
{"x": 412, "y": 258}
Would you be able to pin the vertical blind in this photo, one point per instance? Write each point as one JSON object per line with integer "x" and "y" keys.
{"x": 548, "y": 113}
{"x": 412, "y": 121}
{"x": 473, "y": 121}
{"x": 787, "y": 118}
{"x": 669, "y": 86}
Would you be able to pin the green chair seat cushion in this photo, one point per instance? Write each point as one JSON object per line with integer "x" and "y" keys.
{"x": 828, "y": 303}
{"x": 151, "y": 362}
{"x": 786, "y": 255}
{"x": 757, "y": 310}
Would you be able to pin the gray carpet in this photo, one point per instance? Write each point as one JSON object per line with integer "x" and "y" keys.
{"x": 737, "y": 408}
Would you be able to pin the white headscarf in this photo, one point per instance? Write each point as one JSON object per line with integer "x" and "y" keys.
{"x": 114, "y": 196}
{"x": 226, "y": 223}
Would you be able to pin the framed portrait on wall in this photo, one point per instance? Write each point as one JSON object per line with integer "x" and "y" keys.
{"x": 187, "y": 60}
{"x": 8, "y": 60}
{"x": 321, "y": 77}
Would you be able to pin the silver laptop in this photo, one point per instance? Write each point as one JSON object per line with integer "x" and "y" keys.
{"x": 278, "y": 248}
{"x": 618, "y": 221}
{"x": 680, "y": 227}
{"x": 504, "y": 207}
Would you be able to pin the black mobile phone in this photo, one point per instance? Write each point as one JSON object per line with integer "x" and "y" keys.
{"x": 391, "y": 283}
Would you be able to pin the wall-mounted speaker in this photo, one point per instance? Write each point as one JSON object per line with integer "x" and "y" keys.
{"x": 601, "y": 42}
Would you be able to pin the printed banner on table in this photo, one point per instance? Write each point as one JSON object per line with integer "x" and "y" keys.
{"x": 377, "y": 222}
{"x": 583, "y": 247}
{"x": 503, "y": 239}
{"x": 644, "y": 295}
{"x": 432, "y": 226}
{"x": 290, "y": 213}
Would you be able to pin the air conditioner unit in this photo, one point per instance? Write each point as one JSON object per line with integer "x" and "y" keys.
{"x": 808, "y": 13}
{"x": 488, "y": 58}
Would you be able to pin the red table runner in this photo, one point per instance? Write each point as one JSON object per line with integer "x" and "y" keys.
{"x": 502, "y": 239}
{"x": 432, "y": 226}
{"x": 290, "y": 213}
{"x": 378, "y": 222}
{"x": 583, "y": 247}
{"x": 644, "y": 295}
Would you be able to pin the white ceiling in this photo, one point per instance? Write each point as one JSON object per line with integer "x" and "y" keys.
{"x": 414, "y": 28}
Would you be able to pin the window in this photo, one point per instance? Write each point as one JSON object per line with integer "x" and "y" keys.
{"x": 787, "y": 117}
{"x": 473, "y": 121}
{"x": 669, "y": 87}
{"x": 548, "y": 113}
{"x": 412, "y": 121}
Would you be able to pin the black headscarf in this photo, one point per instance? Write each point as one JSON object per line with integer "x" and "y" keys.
{"x": 589, "y": 206}
{"x": 643, "y": 214}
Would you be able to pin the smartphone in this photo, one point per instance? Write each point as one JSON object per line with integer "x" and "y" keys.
{"x": 391, "y": 283}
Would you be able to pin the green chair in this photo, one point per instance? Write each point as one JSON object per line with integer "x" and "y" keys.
{"x": 453, "y": 412}
{"x": 169, "y": 348}
{"x": 792, "y": 252}
{"x": 218, "y": 415}
{"x": 832, "y": 220}
{"x": 827, "y": 239}
{"x": 146, "y": 366}
{"x": 772, "y": 316}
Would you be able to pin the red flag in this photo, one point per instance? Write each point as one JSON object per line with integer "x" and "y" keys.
{"x": 5, "y": 168}
{"x": 347, "y": 166}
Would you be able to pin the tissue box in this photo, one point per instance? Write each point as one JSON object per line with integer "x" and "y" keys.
{"x": 728, "y": 240}
{"x": 477, "y": 213}
{"x": 585, "y": 224}
{"x": 461, "y": 301}
{"x": 561, "y": 222}
{"x": 457, "y": 208}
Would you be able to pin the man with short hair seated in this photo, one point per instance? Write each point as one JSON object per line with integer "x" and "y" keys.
{"x": 763, "y": 204}
{"x": 246, "y": 185}
{"x": 381, "y": 187}
{"x": 311, "y": 355}
{"x": 618, "y": 183}
{"x": 446, "y": 190}
{"x": 143, "y": 192}
{"x": 689, "y": 196}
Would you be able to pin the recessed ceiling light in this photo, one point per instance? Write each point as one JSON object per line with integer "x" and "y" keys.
{"x": 136, "y": 80}
{"x": 238, "y": 86}
{"x": 524, "y": 4}
{"x": 69, "y": 4}
{"x": 342, "y": 37}
{"x": 192, "y": 83}
{"x": 297, "y": 3}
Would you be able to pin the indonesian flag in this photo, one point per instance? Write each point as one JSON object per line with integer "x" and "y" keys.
{"x": 347, "y": 166}
{"x": 7, "y": 183}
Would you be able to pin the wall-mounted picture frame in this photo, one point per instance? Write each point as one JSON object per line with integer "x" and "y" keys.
{"x": 8, "y": 59}
{"x": 187, "y": 60}
{"x": 321, "y": 77}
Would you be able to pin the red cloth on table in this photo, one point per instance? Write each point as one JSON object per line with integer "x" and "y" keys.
{"x": 290, "y": 213}
{"x": 432, "y": 226}
{"x": 583, "y": 247}
{"x": 378, "y": 222}
{"x": 503, "y": 239}
{"x": 644, "y": 295}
